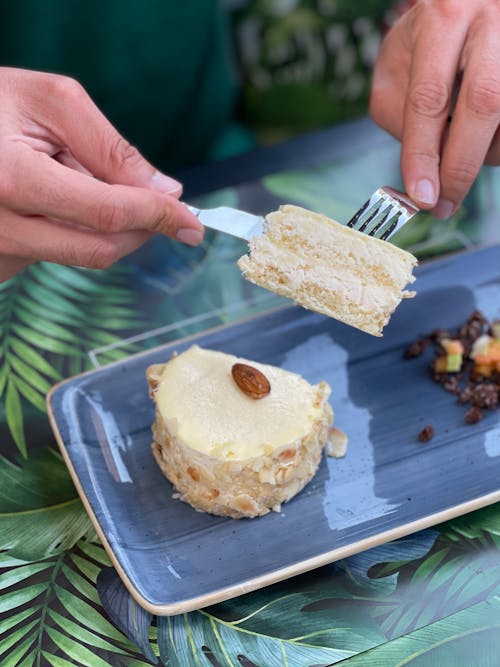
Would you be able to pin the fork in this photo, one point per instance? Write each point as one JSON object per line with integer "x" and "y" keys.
{"x": 384, "y": 213}
{"x": 381, "y": 216}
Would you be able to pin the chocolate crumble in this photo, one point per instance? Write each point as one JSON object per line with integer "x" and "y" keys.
{"x": 426, "y": 434}
{"x": 466, "y": 363}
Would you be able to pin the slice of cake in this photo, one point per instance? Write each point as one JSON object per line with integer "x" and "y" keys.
{"x": 329, "y": 268}
{"x": 235, "y": 437}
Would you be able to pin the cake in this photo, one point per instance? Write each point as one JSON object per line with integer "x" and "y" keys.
{"x": 235, "y": 437}
{"x": 329, "y": 268}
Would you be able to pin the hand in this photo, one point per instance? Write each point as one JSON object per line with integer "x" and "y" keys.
{"x": 431, "y": 49}
{"x": 72, "y": 190}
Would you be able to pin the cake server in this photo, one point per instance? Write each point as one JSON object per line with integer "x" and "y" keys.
{"x": 381, "y": 216}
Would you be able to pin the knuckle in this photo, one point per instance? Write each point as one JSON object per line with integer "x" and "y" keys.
{"x": 122, "y": 155}
{"x": 111, "y": 216}
{"x": 429, "y": 98}
{"x": 67, "y": 88}
{"x": 483, "y": 98}
{"x": 101, "y": 255}
{"x": 460, "y": 173}
{"x": 161, "y": 221}
{"x": 422, "y": 155}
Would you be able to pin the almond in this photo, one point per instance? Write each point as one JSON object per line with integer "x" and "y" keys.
{"x": 251, "y": 381}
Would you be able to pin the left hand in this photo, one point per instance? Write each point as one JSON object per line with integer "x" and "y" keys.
{"x": 432, "y": 47}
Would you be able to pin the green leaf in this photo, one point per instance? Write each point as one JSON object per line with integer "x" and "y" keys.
{"x": 15, "y": 657}
{"x": 15, "y": 599}
{"x": 467, "y": 638}
{"x": 44, "y": 326}
{"x": 28, "y": 660}
{"x": 14, "y": 637}
{"x": 40, "y": 512}
{"x": 124, "y": 611}
{"x": 426, "y": 568}
{"x": 13, "y": 619}
{"x": 81, "y": 584}
{"x": 4, "y": 374}
{"x": 14, "y": 415}
{"x": 43, "y": 532}
{"x": 89, "y": 569}
{"x": 18, "y": 574}
{"x": 57, "y": 302}
{"x": 44, "y": 341}
{"x": 74, "y": 650}
{"x": 71, "y": 276}
{"x": 41, "y": 311}
{"x": 87, "y": 615}
{"x": 30, "y": 394}
{"x": 95, "y": 551}
{"x": 38, "y": 482}
{"x": 83, "y": 635}
{"x": 180, "y": 639}
{"x": 29, "y": 374}
{"x": 33, "y": 358}
{"x": 56, "y": 661}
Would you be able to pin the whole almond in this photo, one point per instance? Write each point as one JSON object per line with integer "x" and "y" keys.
{"x": 251, "y": 381}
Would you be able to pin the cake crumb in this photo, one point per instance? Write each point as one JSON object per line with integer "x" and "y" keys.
{"x": 337, "y": 443}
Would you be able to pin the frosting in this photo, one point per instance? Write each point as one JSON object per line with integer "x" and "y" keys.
{"x": 205, "y": 409}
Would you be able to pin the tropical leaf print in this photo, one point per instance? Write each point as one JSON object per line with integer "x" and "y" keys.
{"x": 41, "y": 514}
{"x": 50, "y": 613}
{"x": 313, "y": 619}
{"x": 51, "y": 316}
{"x": 470, "y": 638}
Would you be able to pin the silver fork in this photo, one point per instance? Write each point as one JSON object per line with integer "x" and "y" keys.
{"x": 381, "y": 216}
{"x": 384, "y": 213}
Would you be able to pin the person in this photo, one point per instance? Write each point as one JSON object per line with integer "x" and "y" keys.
{"x": 74, "y": 191}
{"x": 440, "y": 62}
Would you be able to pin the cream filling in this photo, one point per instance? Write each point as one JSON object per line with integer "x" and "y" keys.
{"x": 328, "y": 267}
{"x": 205, "y": 409}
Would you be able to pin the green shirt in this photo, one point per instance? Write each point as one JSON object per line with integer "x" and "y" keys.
{"x": 160, "y": 70}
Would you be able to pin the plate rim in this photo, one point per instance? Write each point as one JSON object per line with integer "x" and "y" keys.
{"x": 255, "y": 583}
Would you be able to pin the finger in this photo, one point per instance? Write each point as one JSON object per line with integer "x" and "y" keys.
{"x": 54, "y": 191}
{"x": 390, "y": 80}
{"x": 477, "y": 115}
{"x": 433, "y": 72}
{"x": 66, "y": 158}
{"x": 40, "y": 239}
{"x": 78, "y": 123}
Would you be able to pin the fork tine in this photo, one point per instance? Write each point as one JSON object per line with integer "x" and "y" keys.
{"x": 384, "y": 213}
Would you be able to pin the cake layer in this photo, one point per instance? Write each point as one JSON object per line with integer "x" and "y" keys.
{"x": 228, "y": 453}
{"x": 329, "y": 268}
{"x": 203, "y": 406}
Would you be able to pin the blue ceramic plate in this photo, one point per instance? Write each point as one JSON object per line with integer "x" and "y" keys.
{"x": 174, "y": 559}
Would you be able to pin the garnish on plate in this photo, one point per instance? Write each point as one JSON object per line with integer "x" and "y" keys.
{"x": 466, "y": 363}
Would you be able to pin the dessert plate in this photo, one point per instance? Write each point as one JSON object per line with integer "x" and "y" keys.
{"x": 174, "y": 559}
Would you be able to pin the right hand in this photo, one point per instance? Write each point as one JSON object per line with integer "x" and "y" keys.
{"x": 72, "y": 189}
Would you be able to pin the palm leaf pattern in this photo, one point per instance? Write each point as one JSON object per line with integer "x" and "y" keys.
{"x": 50, "y": 317}
{"x": 50, "y": 612}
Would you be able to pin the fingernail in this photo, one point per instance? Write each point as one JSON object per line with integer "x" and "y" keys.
{"x": 424, "y": 192}
{"x": 190, "y": 235}
{"x": 443, "y": 209}
{"x": 163, "y": 183}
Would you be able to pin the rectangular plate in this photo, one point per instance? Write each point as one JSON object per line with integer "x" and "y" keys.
{"x": 174, "y": 559}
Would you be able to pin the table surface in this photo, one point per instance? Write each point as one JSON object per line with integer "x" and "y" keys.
{"x": 430, "y": 598}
